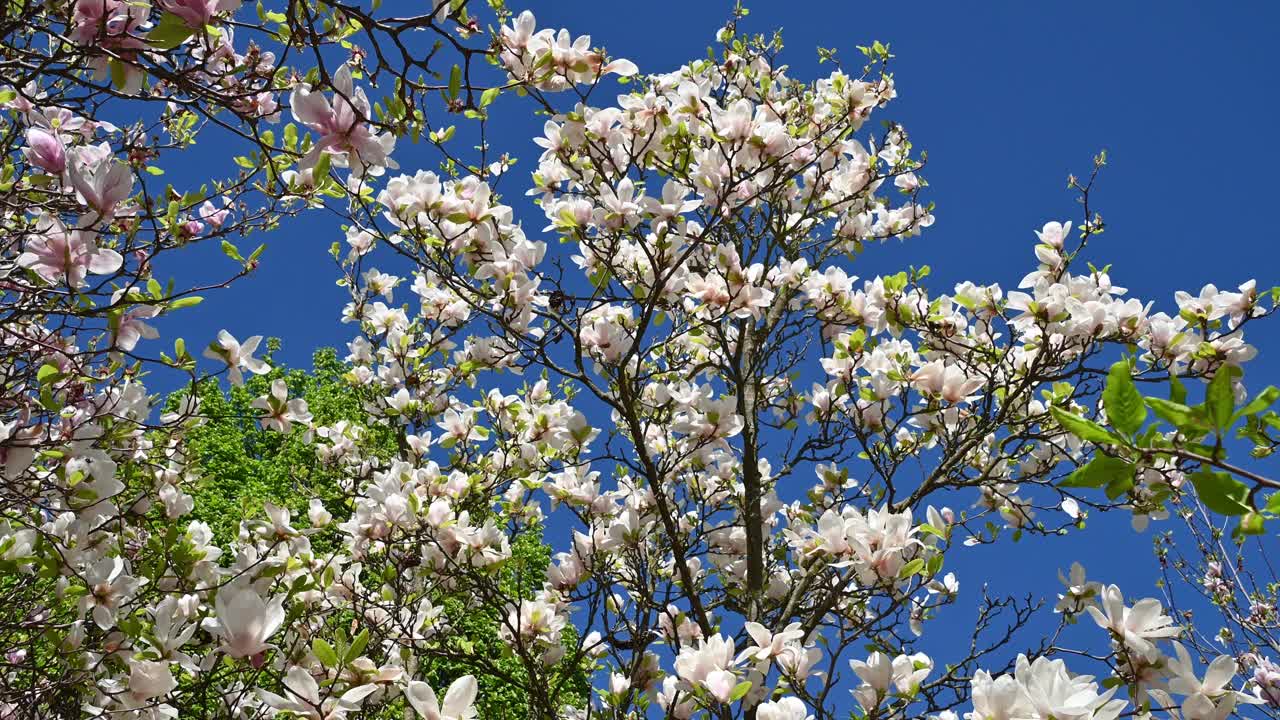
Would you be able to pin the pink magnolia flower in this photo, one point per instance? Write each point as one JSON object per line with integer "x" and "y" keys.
{"x": 131, "y": 327}
{"x": 1134, "y": 627}
{"x": 305, "y": 700}
{"x": 213, "y": 214}
{"x": 94, "y": 20}
{"x": 721, "y": 684}
{"x": 109, "y": 25}
{"x": 58, "y": 254}
{"x": 45, "y": 151}
{"x": 937, "y": 379}
{"x": 111, "y": 586}
{"x": 149, "y": 679}
{"x": 102, "y": 183}
{"x": 341, "y": 124}
{"x": 281, "y": 412}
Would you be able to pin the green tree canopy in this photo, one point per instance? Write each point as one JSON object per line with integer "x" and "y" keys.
{"x": 241, "y": 465}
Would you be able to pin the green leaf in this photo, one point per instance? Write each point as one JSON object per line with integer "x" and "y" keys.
{"x": 1175, "y": 414}
{"x": 488, "y": 96}
{"x": 911, "y": 568}
{"x": 455, "y": 81}
{"x": 1083, "y": 428}
{"x": 740, "y": 691}
{"x": 1177, "y": 391}
{"x": 231, "y": 251}
{"x": 190, "y": 301}
{"x": 321, "y": 170}
{"x": 118, "y": 76}
{"x": 1123, "y": 401}
{"x": 1263, "y": 401}
{"x": 1120, "y": 484}
{"x": 325, "y": 652}
{"x": 1251, "y": 524}
{"x": 931, "y": 530}
{"x": 1102, "y": 471}
{"x": 1219, "y": 400}
{"x": 48, "y": 373}
{"x": 169, "y": 33}
{"x": 358, "y": 645}
{"x": 1273, "y": 503}
{"x": 1221, "y": 493}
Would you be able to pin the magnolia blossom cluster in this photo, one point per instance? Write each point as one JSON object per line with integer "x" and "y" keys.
{"x": 738, "y": 449}
{"x": 341, "y": 125}
{"x": 554, "y": 60}
{"x": 707, "y": 209}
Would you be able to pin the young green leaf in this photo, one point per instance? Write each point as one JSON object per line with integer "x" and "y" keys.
{"x": 1122, "y": 400}
{"x": 1083, "y": 428}
{"x": 1263, "y": 401}
{"x": 1175, "y": 414}
{"x": 1101, "y": 471}
{"x": 325, "y": 653}
{"x": 1219, "y": 399}
{"x": 455, "y": 81}
{"x": 1221, "y": 493}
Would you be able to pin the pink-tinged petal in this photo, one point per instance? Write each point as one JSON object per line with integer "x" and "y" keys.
{"x": 104, "y": 262}
{"x": 423, "y": 699}
{"x": 1220, "y": 672}
{"x": 622, "y": 67}
{"x": 353, "y": 697}
{"x": 342, "y": 81}
{"x": 758, "y": 633}
{"x": 310, "y": 108}
{"x": 460, "y": 698}
{"x": 46, "y": 151}
{"x": 1098, "y": 617}
{"x": 301, "y": 682}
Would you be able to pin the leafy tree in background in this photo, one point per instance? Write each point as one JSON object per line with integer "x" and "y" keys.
{"x": 240, "y": 466}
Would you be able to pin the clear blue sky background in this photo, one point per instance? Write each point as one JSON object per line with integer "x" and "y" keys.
{"x": 1008, "y": 98}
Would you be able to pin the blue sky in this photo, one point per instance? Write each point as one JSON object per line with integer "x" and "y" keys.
{"x": 1007, "y": 98}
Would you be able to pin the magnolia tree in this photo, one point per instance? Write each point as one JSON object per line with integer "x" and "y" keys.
{"x": 742, "y": 453}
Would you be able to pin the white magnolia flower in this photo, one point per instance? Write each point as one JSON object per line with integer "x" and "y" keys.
{"x": 1208, "y": 699}
{"x": 459, "y": 700}
{"x": 244, "y": 621}
{"x": 788, "y": 708}
{"x": 305, "y": 697}
{"x": 237, "y": 355}
{"x": 1137, "y": 626}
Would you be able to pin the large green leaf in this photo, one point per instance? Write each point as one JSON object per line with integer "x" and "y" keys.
{"x": 1083, "y": 428}
{"x": 1102, "y": 471}
{"x": 169, "y": 33}
{"x": 1175, "y": 414}
{"x": 1221, "y": 493}
{"x": 1123, "y": 401}
{"x": 1219, "y": 399}
{"x": 1263, "y": 401}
